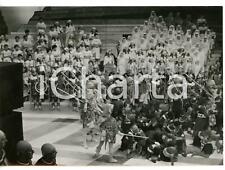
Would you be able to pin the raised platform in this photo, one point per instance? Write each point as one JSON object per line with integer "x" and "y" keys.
{"x": 64, "y": 130}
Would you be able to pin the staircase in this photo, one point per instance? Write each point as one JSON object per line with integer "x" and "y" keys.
{"x": 109, "y": 34}
{"x": 113, "y": 22}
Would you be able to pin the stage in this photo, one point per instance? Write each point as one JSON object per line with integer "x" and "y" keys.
{"x": 63, "y": 129}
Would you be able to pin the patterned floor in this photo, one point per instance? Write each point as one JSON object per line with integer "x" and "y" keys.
{"x": 63, "y": 129}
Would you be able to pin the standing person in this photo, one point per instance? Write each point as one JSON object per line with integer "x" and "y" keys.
{"x": 122, "y": 62}
{"x": 108, "y": 63}
{"x": 33, "y": 80}
{"x": 169, "y": 19}
{"x": 55, "y": 101}
{"x": 109, "y": 129}
{"x": 41, "y": 26}
{"x": 70, "y": 29}
{"x": 89, "y": 113}
{"x": 87, "y": 56}
{"x": 117, "y": 108}
{"x": 3, "y": 141}
{"x": 96, "y": 44}
{"x": 201, "y": 123}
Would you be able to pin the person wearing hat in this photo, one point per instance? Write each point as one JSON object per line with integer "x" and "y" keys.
{"x": 131, "y": 144}
{"x": 201, "y": 123}
{"x": 3, "y": 140}
{"x": 153, "y": 150}
{"x": 90, "y": 112}
{"x": 48, "y": 155}
{"x": 169, "y": 154}
{"x": 109, "y": 128}
{"x": 207, "y": 138}
{"x": 94, "y": 31}
{"x": 24, "y": 153}
{"x": 126, "y": 124}
{"x": 135, "y": 35}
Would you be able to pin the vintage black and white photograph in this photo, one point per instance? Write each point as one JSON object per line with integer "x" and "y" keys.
{"x": 111, "y": 85}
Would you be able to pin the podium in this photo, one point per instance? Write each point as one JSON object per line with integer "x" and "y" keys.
{"x": 11, "y": 97}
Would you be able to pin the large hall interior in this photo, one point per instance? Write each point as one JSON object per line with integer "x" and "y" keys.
{"x": 51, "y": 114}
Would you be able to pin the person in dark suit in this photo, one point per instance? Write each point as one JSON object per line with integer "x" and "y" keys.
{"x": 24, "y": 153}
{"x": 117, "y": 109}
{"x": 48, "y": 155}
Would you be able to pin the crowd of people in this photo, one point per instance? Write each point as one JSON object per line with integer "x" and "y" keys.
{"x": 153, "y": 128}
{"x": 24, "y": 153}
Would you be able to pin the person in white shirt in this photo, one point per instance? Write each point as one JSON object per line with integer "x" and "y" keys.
{"x": 16, "y": 41}
{"x": 56, "y": 41}
{"x": 109, "y": 63}
{"x": 29, "y": 37}
{"x": 72, "y": 51}
{"x": 30, "y": 63}
{"x": 20, "y": 58}
{"x": 70, "y": 41}
{"x": 80, "y": 33}
{"x": 122, "y": 62}
{"x": 85, "y": 39}
{"x": 38, "y": 55}
{"x": 26, "y": 43}
{"x": 5, "y": 41}
{"x": 93, "y": 31}
{"x": 42, "y": 36}
{"x": 6, "y": 54}
{"x": 16, "y": 51}
{"x": 40, "y": 25}
{"x": 78, "y": 54}
{"x": 65, "y": 55}
{"x": 87, "y": 56}
{"x": 96, "y": 44}
{"x": 53, "y": 32}
{"x": 70, "y": 29}
{"x": 58, "y": 27}
{"x": 135, "y": 35}
{"x": 124, "y": 44}
{"x": 56, "y": 53}
{"x": 143, "y": 44}
{"x": 187, "y": 45}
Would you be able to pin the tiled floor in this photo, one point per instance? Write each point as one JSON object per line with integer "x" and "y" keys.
{"x": 63, "y": 129}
